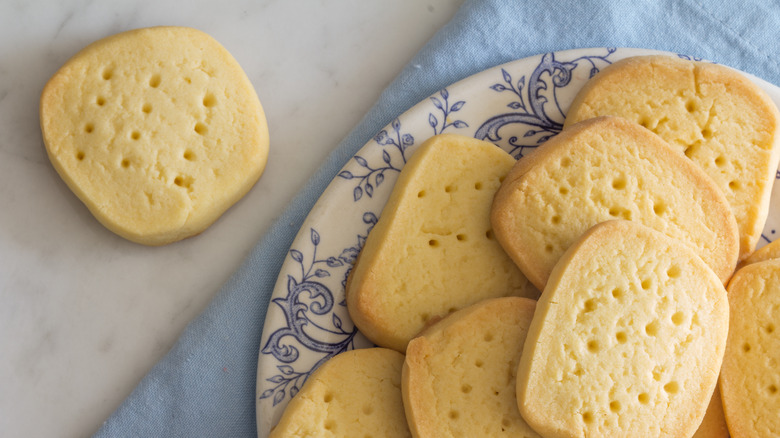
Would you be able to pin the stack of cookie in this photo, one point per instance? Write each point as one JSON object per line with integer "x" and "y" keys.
{"x": 631, "y": 223}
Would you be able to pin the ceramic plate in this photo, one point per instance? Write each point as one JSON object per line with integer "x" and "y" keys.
{"x": 517, "y": 106}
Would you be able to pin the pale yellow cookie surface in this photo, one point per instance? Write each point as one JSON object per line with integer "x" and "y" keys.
{"x": 459, "y": 374}
{"x": 627, "y": 338}
{"x": 354, "y": 394}
{"x": 433, "y": 250}
{"x": 158, "y": 131}
{"x": 766, "y": 252}
{"x": 750, "y": 379}
{"x": 609, "y": 168}
{"x": 714, "y": 115}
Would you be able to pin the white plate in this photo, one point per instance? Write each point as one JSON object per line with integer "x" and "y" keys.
{"x": 517, "y": 106}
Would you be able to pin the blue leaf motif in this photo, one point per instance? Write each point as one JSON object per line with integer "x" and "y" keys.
{"x": 315, "y": 237}
{"x": 498, "y": 87}
{"x": 437, "y": 103}
{"x": 362, "y": 161}
{"x": 593, "y": 71}
{"x": 521, "y": 83}
{"x": 458, "y": 105}
{"x": 460, "y": 124}
{"x": 407, "y": 140}
{"x": 445, "y": 94}
{"x": 379, "y": 178}
{"x": 279, "y": 397}
{"x": 349, "y": 255}
{"x": 276, "y": 379}
{"x": 432, "y": 120}
{"x": 296, "y": 255}
{"x": 346, "y": 174}
{"x": 396, "y": 125}
{"x": 336, "y": 321}
{"x": 267, "y": 393}
{"x": 357, "y": 193}
{"x": 515, "y": 105}
{"x": 333, "y": 262}
{"x": 369, "y": 190}
{"x": 381, "y": 138}
{"x": 529, "y": 133}
{"x": 370, "y": 218}
{"x": 293, "y": 391}
{"x": 506, "y": 75}
{"x": 286, "y": 370}
{"x": 321, "y": 273}
{"x": 386, "y": 157}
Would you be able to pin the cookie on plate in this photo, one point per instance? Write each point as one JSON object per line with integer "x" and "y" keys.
{"x": 766, "y": 252}
{"x": 716, "y": 116}
{"x": 609, "y": 168}
{"x": 433, "y": 251}
{"x": 354, "y": 394}
{"x": 627, "y": 338}
{"x": 750, "y": 378}
{"x": 157, "y": 131}
{"x": 459, "y": 374}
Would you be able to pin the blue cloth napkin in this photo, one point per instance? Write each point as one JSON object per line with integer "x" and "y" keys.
{"x": 205, "y": 386}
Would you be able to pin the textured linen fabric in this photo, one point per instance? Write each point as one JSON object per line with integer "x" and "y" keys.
{"x": 205, "y": 386}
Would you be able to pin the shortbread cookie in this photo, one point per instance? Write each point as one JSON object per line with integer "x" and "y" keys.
{"x": 719, "y": 118}
{"x": 766, "y": 252}
{"x": 157, "y": 131}
{"x": 714, "y": 423}
{"x": 459, "y": 374}
{"x": 627, "y": 338}
{"x": 609, "y": 168}
{"x": 750, "y": 379}
{"x": 432, "y": 250}
{"x": 354, "y": 394}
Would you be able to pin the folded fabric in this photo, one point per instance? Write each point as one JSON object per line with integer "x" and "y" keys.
{"x": 205, "y": 386}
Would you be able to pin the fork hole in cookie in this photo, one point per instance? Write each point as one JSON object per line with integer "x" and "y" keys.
{"x": 720, "y": 161}
{"x": 672, "y": 387}
{"x": 590, "y": 305}
{"x": 80, "y": 155}
{"x": 478, "y": 186}
{"x": 108, "y": 73}
{"x": 652, "y": 328}
{"x": 593, "y": 346}
{"x": 454, "y": 415}
{"x": 489, "y": 234}
{"x": 461, "y": 237}
{"x": 201, "y": 128}
{"x": 555, "y": 219}
{"x": 769, "y": 328}
{"x": 678, "y": 318}
{"x": 772, "y": 389}
{"x": 433, "y": 243}
{"x": 614, "y": 406}
{"x": 563, "y": 190}
{"x": 506, "y": 422}
{"x": 659, "y": 208}
{"x": 565, "y": 162}
{"x": 488, "y": 337}
{"x": 643, "y": 398}
{"x": 587, "y": 417}
{"x": 100, "y": 101}
{"x": 146, "y": 108}
{"x": 478, "y": 363}
{"x": 621, "y": 337}
{"x": 465, "y": 388}
{"x": 674, "y": 271}
{"x": 706, "y": 133}
{"x": 548, "y": 248}
{"x": 746, "y": 347}
{"x": 155, "y": 80}
{"x": 125, "y": 163}
{"x": 421, "y": 194}
{"x": 735, "y": 185}
{"x": 368, "y": 409}
{"x": 617, "y": 292}
{"x": 646, "y": 283}
{"x": 449, "y": 189}
{"x": 330, "y": 425}
{"x": 89, "y": 127}
{"x": 189, "y": 155}
{"x": 327, "y": 398}
{"x": 135, "y": 135}
{"x": 209, "y": 100}
{"x": 619, "y": 183}
{"x": 690, "y": 106}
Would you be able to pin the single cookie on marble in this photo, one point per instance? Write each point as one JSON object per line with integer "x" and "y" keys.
{"x": 750, "y": 378}
{"x": 459, "y": 374}
{"x": 433, "y": 251}
{"x": 354, "y": 394}
{"x": 602, "y": 169}
{"x": 715, "y": 115}
{"x": 158, "y": 131}
{"x": 627, "y": 338}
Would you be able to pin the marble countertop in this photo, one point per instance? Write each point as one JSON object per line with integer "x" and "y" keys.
{"x": 84, "y": 314}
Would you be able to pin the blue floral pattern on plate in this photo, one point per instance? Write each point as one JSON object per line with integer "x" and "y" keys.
{"x": 517, "y": 106}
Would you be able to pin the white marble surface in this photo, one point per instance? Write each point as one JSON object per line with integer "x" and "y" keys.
{"x": 85, "y": 314}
